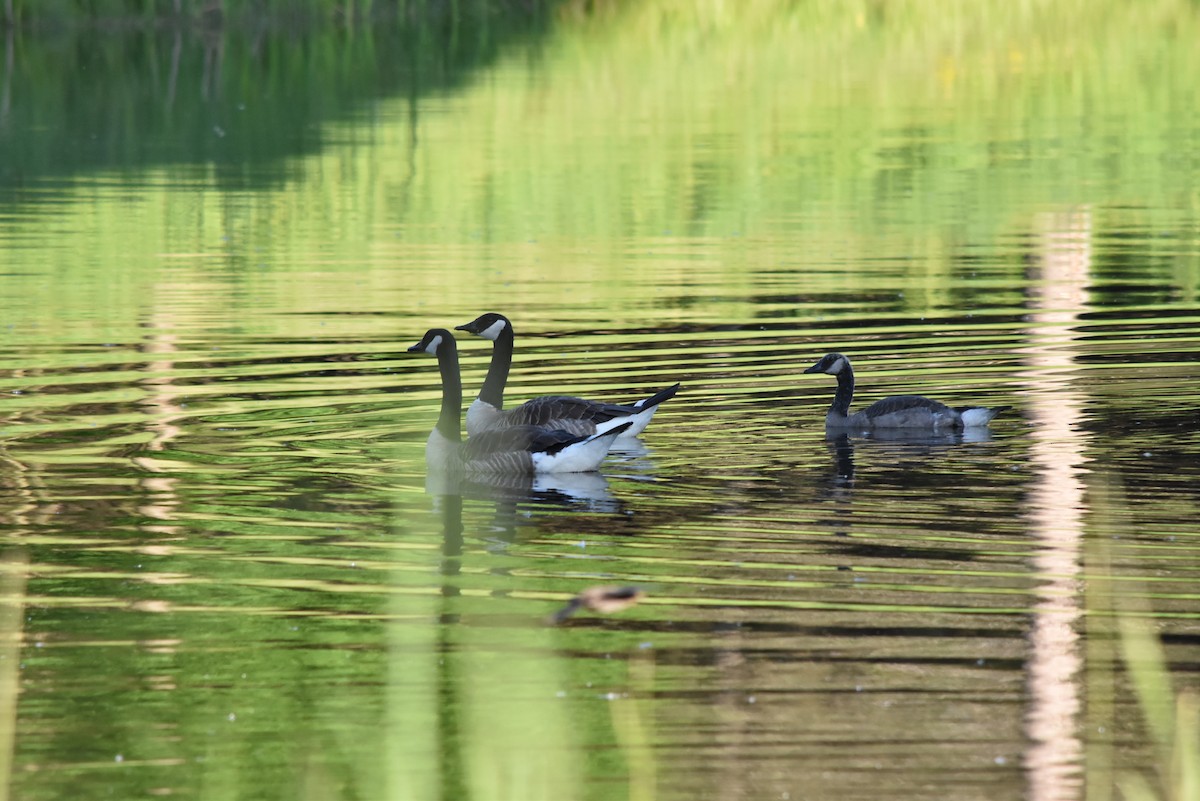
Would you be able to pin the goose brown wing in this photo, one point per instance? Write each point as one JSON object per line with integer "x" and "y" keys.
{"x": 544, "y": 410}
{"x": 897, "y": 404}
{"x": 521, "y": 438}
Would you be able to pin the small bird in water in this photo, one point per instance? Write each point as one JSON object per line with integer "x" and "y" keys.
{"x": 606, "y": 599}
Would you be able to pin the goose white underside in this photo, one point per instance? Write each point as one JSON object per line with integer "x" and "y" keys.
{"x": 578, "y": 458}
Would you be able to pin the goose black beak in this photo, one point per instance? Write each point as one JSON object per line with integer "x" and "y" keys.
{"x": 415, "y": 348}
{"x": 816, "y": 368}
{"x": 470, "y": 328}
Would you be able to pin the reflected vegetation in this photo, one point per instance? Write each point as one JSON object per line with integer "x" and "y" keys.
{"x": 241, "y": 90}
{"x": 228, "y": 572}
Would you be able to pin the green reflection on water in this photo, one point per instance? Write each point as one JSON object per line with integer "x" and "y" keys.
{"x": 189, "y": 586}
{"x": 776, "y": 137}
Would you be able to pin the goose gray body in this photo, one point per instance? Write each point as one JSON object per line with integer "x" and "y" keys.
{"x": 578, "y": 415}
{"x": 911, "y": 412}
{"x": 514, "y": 449}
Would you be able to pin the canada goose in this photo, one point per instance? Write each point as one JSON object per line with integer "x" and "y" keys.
{"x": 516, "y": 449}
{"x": 559, "y": 411}
{"x": 898, "y": 411}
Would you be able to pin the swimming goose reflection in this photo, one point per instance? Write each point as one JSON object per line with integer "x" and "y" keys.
{"x": 588, "y": 491}
{"x": 521, "y": 501}
{"x": 898, "y": 446}
{"x": 929, "y": 438}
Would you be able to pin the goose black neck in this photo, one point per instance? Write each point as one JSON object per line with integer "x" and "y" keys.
{"x": 497, "y": 375}
{"x": 845, "y": 391}
{"x": 450, "y": 420}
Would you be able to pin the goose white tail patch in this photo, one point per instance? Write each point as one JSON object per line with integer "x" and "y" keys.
{"x": 977, "y": 416}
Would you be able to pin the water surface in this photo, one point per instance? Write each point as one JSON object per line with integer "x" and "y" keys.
{"x": 227, "y": 573}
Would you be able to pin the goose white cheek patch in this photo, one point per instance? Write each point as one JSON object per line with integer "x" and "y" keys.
{"x": 493, "y": 330}
{"x": 433, "y": 345}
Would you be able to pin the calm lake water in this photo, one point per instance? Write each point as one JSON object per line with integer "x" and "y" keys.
{"x": 227, "y": 575}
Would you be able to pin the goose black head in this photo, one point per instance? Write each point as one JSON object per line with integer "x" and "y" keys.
{"x": 433, "y": 341}
{"x": 487, "y": 325}
{"x": 831, "y": 363}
